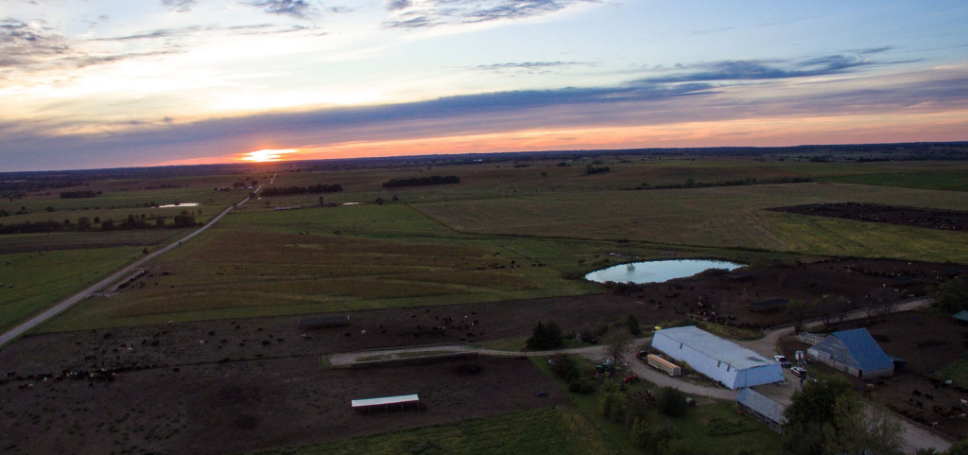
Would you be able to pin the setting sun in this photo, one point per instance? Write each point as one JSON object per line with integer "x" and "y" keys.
{"x": 266, "y": 155}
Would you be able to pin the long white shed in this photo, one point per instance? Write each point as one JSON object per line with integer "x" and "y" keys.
{"x": 721, "y": 360}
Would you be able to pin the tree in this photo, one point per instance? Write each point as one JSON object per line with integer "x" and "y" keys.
{"x": 159, "y": 221}
{"x": 97, "y": 220}
{"x": 799, "y": 311}
{"x": 672, "y": 402}
{"x": 84, "y": 222}
{"x": 880, "y": 302}
{"x": 859, "y": 428}
{"x": 828, "y": 306}
{"x": 952, "y": 295}
{"x": 617, "y": 344}
{"x": 50, "y": 208}
{"x": 633, "y": 325}
{"x": 545, "y": 336}
{"x": 813, "y": 408}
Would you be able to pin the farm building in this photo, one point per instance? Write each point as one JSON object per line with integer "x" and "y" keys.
{"x": 762, "y": 408}
{"x": 386, "y": 403}
{"x": 961, "y": 316}
{"x": 721, "y": 360}
{"x": 854, "y": 352}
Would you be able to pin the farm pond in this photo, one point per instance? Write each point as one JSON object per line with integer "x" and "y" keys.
{"x": 657, "y": 271}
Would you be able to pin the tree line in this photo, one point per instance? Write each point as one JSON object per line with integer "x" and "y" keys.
{"x": 182, "y": 220}
{"x": 421, "y": 181}
{"x": 79, "y": 194}
{"x": 294, "y": 190}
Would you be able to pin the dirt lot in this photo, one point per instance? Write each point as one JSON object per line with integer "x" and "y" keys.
{"x": 230, "y": 407}
{"x": 905, "y": 216}
{"x": 730, "y": 297}
{"x": 213, "y": 341}
{"x": 927, "y": 342}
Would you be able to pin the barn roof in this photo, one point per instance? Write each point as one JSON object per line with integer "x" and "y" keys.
{"x": 715, "y": 347}
{"x": 761, "y": 404}
{"x": 856, "y": 348}
{"x": 961, "y": 315}
{"x": 399, "y": 399}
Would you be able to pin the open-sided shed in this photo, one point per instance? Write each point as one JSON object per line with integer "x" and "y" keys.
{"x": 387, "y": 403}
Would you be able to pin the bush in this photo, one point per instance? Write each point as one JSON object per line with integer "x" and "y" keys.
{"x": 582, "y": 386}
{"x": 672, "y": 402}
{"x": 633, "y": 325}
{"x": 655, "y": 441}
{"x": 565, "y": 367}
{"x": 545, "y": 336}
{"x": 613, "y": 403}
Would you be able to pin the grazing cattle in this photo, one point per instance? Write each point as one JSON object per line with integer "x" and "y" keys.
{"x": 930, "y": 397}
{"x": 916, "y": 392}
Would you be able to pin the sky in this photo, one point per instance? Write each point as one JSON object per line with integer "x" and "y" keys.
{"x": 97, "y": 83}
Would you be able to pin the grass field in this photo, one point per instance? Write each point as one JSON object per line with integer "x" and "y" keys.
{"x": 713, "y": 217}
{"x": 292, "y": 262}
{"x": 25, "y": 243}
{"x": 33, "y": 282}
{"x": 957, "y": 371}
{"x": 952, "y": 181}
{"x": 544, "y": 431}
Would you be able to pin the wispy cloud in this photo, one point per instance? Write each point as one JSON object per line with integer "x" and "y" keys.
{"x": 23, "y": 44}
{"x": 432, "y": 13}
{"x": 529, "y": 67}
{"x": 752, "y": 70}
{"x": 182, "y": 6}
{"x": 294, "y": 8}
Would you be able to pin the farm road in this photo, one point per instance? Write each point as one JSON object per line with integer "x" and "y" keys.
{"x": 127, "y": 270}
{"x": 915, "y": 436}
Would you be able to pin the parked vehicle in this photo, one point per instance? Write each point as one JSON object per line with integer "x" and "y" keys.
{"x": 783, "y": 361}
{"x": 799, "y": 371}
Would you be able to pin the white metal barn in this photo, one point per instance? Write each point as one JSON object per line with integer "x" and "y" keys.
{"x": 721, "y": 360}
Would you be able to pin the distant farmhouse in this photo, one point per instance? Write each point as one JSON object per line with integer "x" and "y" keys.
{"x": 762, "y": 408}
{"x": 732, "y": 365}
{"x": 854, "y": 352}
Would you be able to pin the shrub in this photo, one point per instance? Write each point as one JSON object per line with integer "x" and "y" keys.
{"x": 613, "y": 403}
{"x": 565, "y": 367}
{"x": 672, "y": 402}
{"x": 582, "y": 386}
{"x": 633, "y": 324}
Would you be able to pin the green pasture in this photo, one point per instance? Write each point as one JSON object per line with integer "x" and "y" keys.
{"x": 952, "y": 181}
{"x": 543, "y": 431}
{"x": 32, "y": 282}
{"x": 721, "y": 217}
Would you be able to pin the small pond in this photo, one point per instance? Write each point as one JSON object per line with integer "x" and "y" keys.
{"x": 182, "y": 204}
{"x": 658, "y": 271}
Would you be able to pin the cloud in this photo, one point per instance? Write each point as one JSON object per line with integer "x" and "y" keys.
{"x": 181, "y": 6}
{"x": 295, "y": 8}
{"x": 432, "y": 13}
{"x": 752, "y": 70}
{"x": 528, "y": 67}
{"x": 397, "y": 5}
{"x": 23, "y": 44}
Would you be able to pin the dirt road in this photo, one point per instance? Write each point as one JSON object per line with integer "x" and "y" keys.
{"x": 73, "y": 300}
